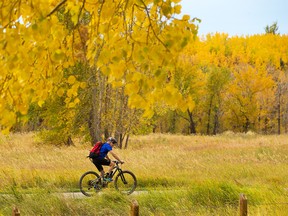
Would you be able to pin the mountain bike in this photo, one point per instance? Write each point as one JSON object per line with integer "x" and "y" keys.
{"x": 125, "y": 181}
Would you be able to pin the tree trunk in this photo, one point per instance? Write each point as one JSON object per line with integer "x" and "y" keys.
{"x": 120, "y": 99}
{"x": 246, "y": 125}
{"x": 266, "y": 121}
{"x": 279, "y": 113}
{"x": 94, "y": 120}
{"x": 69, "y": 141}
{"x": 209, "y": 115}
{"x": 216, "y": 122}
{"x": 192, "y": 127}
{"x": 121, "y": 138}
{"x": 106, "y": 133}
{"x": 105, "y": 97}
{"x": 172, "y": 128}
{"x": 127, "y": 140}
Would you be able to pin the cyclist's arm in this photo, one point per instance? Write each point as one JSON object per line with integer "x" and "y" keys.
{"x": 115, "y": 156}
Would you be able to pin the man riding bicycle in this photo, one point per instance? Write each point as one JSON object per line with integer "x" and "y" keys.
{"x": 90, "y": 182}
{"x": 103, "y": 159}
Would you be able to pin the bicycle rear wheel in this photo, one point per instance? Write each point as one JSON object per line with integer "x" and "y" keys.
{"x": 90, "y": 182}
{"x": 125, "y": 182}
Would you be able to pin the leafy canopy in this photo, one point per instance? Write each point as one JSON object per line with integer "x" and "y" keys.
{"x": 134, "y": 42}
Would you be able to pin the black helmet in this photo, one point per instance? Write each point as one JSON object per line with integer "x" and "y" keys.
{"x": 112, "y": 139}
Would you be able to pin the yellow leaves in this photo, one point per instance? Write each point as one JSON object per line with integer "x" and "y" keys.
{"x": 177, "y": 9}
{"x": 140, "y": 17}
{"x": 130, "y": 54}
{"x": 73, "y": 103}
{"x": 247, "y": 91}
{"x": 6, "y": 130}
{"x": 117, "y": 69}
{"x": 115, "y": 20}
{"x": 58, "y": 55}
{"x": 26, "y": 9}
{"x": 40, "y": 103}
{"x": 104, "y": 57}
{"x": 74, "y": 18}
{"x": 186, "y": 17}
{"x": 23, "y": 108}
{"x": 71, "y": 80}
{"x": 171, "y": 96}
{"x": 131, "y": 88}
{"x": 58, "y": 33}
{"x": 60, "y": 92}
{"x": 72, "y": 91}
{"x": 106, "y": 12}
{"x": 83, "y": 85}
{"x": 166, "y": 9}
{"x": 74, "y": 8}
{"x": 190, "y": 103}
{"x": 7, "y": 120}
{"x": 67, "y": 64}
{"x": 148, "y": 113}
{"x": 137, "y": 76}
{"x": 178, "y": 34}
{"x": 136, "y": 101}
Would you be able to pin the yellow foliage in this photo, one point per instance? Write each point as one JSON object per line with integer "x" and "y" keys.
{"x": 60, "y": 92}
{"x": 155, "y": 56}
{"x": 83, "y": 85}
{"x": 137, "y": 101}
{"x": 132, "y": 88}
{"x": 148, "y": 113}
{"x": 177, "y": 9}
{"x": 40, "y": 103}
{"x": 71, "y": 79}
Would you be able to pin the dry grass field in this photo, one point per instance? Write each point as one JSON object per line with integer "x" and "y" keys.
{"x": 183, "y": 175}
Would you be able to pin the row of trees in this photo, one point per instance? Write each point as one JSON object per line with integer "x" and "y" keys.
{"x": 124, "y": 67}
{"x": 240, "y": 84}
{"x": 220, "y": 83}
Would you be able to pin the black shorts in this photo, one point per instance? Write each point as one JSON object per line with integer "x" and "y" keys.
{"x": 98, "y": 162}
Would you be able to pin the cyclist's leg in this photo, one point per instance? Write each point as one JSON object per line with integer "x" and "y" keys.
{"x": 111, "y": 166}
{"x": 98, "y": 164}
{"x": 107, "y": 162}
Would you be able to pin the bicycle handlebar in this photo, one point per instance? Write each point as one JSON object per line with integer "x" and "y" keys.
{"x": 117, "y": 162}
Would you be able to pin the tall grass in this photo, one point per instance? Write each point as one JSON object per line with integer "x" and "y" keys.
{"x": 183, "y": 175}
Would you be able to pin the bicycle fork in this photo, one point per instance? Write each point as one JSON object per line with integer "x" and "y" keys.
{"x": 123, "y": 178}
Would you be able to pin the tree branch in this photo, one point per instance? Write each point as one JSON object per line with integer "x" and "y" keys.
{"x": 56, "y": 8}
{"x": 147, "y": 11}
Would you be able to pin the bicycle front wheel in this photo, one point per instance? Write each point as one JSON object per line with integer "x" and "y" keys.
{"x": 125, "y": 182}
{"x": 90, "y": 182}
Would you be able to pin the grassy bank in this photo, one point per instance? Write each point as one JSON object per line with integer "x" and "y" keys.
{"x": 184, "y": 175}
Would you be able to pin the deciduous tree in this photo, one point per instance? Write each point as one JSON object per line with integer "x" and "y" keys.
{"x": 134, "y": 43}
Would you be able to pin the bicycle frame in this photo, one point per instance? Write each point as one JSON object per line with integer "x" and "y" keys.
{"x": 119, "y": 170}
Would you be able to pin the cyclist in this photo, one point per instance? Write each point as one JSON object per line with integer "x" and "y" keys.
{"x": 103, "y": 159}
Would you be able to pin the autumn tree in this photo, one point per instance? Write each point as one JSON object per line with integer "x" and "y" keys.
{"x": 112, "y": 40}
{"x": 190, "y": 81}
{"x": 218, "y": 78}
{"x": 242, "y": 96}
